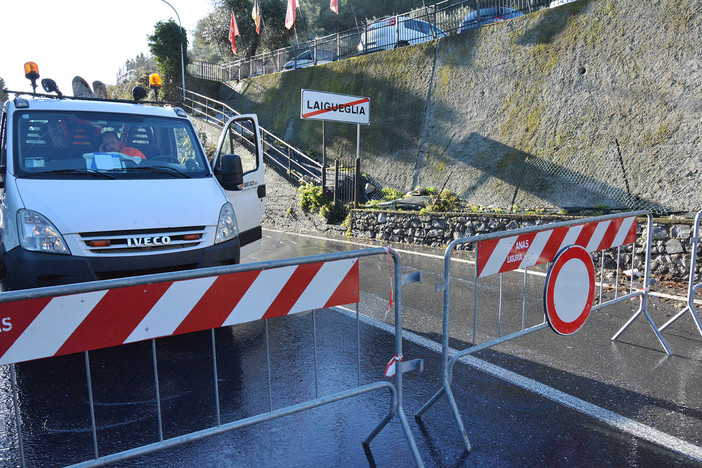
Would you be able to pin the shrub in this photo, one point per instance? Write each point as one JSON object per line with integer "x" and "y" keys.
{"x": 312, "y": 200}
{"x": 390, "y": 194}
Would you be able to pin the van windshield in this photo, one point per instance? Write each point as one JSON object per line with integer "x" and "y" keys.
{"x": 90, "y": 144}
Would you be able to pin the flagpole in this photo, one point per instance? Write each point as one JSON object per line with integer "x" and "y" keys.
{"x": 304, "y": 23}
{"x": 355, "y": 20}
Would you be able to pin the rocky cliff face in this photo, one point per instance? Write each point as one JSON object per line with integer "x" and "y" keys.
{"x": 527, "y": 112}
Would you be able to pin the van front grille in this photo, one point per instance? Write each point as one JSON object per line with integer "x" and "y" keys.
{"x": 147, "y": 241}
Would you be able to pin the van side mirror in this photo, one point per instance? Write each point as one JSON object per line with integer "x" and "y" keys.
{"x": 229, "y": 172}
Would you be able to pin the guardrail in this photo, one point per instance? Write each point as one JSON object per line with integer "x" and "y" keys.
{"x": 413, "y": 27}
{"x": 692, "y": 285}
{"x": 80, "y": 318}
{"x": 519, "y": 250}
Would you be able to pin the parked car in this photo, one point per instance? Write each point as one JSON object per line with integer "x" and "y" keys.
{"x": 484, "y": 16}
{"x": 397, "y": 31}
{"x": 308, "y": 59}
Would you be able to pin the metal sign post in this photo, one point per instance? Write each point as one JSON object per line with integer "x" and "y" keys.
{"x": 319, "y": 105}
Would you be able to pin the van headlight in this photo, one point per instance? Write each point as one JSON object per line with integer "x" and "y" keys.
{"x": 226, "y": 226}
{"x": 38, "y": 234}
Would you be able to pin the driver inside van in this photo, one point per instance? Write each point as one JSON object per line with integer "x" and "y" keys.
{"x": 112, "y": 144}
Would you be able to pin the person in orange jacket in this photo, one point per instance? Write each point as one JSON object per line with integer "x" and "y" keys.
{"x": 111, "y": 144}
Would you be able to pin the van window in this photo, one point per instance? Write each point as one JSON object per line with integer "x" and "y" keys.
{"x": 242, "y": 140}
{"x": 81, "y": 144}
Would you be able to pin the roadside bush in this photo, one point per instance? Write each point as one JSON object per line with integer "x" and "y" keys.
{"x": 390, "y": 194}
{"x": 445, "y": 201}
{"x": 312, "y": 200}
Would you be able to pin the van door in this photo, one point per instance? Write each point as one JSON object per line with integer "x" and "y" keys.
{"x": 241, "y": 136}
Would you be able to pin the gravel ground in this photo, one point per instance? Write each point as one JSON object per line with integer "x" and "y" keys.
{"x": 284, "y": 214}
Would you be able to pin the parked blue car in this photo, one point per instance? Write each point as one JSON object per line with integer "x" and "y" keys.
{"x": 484, "y": 16}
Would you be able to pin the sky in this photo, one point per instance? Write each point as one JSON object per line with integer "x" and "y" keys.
{"x": 92, "y": 39}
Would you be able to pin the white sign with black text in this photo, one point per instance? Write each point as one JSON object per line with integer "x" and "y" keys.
{"x": 318, "y": 105}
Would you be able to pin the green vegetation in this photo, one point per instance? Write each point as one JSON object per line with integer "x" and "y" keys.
{"x": 314, "y": 19}
{"x": 143, "y": 66}
{"x": 390, "y": 194}
{"x": 445, "y": 201}
{"x": 311, "y": 200}
{"x": 165, "y": 45}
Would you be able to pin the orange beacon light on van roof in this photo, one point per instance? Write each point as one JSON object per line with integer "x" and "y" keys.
{"x": 31, "y": 72}
{"x": 154, "y": 80}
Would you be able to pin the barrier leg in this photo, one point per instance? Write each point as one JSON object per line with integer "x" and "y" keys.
{"x": 695, "y": 318}
{"x": 457, "y": 416}
{"x": 642, "y": 310}
{"x": 385, "y": 421}
{"x": 410, "y": 437}
{"x": 429, "y": 403}
{"x": 396, "y": 409}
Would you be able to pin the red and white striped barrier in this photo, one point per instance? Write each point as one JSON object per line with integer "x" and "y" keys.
{"x": 53, "y": 326}
{"x": 526, "y": 250}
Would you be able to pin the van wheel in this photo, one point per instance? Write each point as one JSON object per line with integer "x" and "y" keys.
{"x": 401, "y": 44}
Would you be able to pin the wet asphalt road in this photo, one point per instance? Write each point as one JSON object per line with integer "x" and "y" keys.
{"x": 508, "y": 424}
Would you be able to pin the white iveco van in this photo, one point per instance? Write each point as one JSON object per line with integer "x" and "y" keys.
{"x": 73, "y": 210}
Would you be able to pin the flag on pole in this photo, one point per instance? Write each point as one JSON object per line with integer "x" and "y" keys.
{"x": 233, "y": 32}
{"x": 256, "y": 15}
{"x": 290, "y": 15}
{"x": 334, "y": 6}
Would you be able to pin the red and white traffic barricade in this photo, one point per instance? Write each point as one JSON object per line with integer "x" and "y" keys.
{"x": 693, "y": 283}
{"x": 60, "y": 320}
{"x": 569, "y": 291}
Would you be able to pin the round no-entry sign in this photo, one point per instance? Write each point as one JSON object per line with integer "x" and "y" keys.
{"x": 569, "y": 290}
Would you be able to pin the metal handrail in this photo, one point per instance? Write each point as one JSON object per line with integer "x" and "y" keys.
{"x": 448, "y": 18}
{"x": 298, "y": 163}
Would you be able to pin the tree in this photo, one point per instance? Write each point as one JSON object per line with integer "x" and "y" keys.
{"x": 3, "y": 96}
{"x": 143, "y": 66}
{"x": 165, "y": 45}
{"x": 214, "y": 28}
{"x": 314, "y": 20}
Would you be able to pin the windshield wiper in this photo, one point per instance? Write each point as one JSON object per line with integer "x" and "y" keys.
{"x": 160, "y": 169}
{"x": 90, "y": 172}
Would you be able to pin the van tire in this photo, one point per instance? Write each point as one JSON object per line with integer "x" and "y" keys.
{"x": 401, "y": 44}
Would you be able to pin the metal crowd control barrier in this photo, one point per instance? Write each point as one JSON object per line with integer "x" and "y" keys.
{"x": 501, "y": 252}
{"x": 692, "y": 286}
{"x": 61, "y": 320}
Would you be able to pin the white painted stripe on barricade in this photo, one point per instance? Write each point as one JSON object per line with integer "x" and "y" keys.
{"x": 55, "y": 325}
{"x": 620, "y": 238}
{"x": 537, "y": 246}
{"x": 499, "y": 255}
{"x": 260, "y": 295}
{"x": 52, "y": 327}
{"x": 571, "y": 237}
{"x": 597, "y": 236}
{"x": 322, "y": 282}
{"x": 171, "y": 309}
{"x": 504, "y": 254}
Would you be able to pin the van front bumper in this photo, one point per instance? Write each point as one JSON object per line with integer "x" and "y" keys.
{"x": 25, "y": 269}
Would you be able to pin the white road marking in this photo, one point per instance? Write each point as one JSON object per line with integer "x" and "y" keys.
{"x": 622, "y": 423}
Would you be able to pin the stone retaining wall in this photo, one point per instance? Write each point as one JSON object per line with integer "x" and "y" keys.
{"x": 670, "y": 251}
